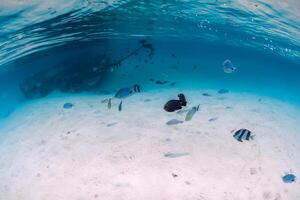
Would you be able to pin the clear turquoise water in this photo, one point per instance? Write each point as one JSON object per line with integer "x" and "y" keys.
{"x": 190, "y": 40}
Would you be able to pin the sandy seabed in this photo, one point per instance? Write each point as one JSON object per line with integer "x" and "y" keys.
{"x": 91, "y": 152}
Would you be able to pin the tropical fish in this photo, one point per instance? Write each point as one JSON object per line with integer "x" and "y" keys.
{"x": 191, "y": 113}
{"x": 175, "y": 155}
{"x": 289, "y": 178}
{"x": 124, "y": 93}
{"x": 127, "y": 92}
{"x": 174, "y": 105}
{"x": 228, "y": 67}
{"x": 223, "y": 91}
{"x": 243, "y": 134}
{"x": 174, "y": 122}
{"x": 68, "y": 105}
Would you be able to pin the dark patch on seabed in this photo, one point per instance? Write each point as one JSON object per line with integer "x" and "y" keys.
{"x": 79, "y": 77}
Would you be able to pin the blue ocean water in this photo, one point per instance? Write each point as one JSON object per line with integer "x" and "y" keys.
{"x": 99, "y": 46}
{"x": 74, "y": 124}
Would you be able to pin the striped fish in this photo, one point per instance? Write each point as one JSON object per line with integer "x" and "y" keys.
{"x": 243, "y": 134}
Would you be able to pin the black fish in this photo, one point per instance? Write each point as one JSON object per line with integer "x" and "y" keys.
{"x": 243, "y": 134}
{"x": 174, "y": 105}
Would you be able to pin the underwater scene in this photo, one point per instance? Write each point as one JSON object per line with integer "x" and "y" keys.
{"x": 149, "y": 100}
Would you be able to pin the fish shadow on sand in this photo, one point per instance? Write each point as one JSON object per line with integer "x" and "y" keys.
{"x": 175, "y": 155}
{"x": 213, "y": 119}
{"x": 112, "y": 124}
{"x": 174, "y": 122}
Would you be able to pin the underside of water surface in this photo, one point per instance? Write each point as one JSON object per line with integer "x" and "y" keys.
{"x": 85, "y": 86}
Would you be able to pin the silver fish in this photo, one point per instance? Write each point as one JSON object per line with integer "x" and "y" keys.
{"x": 191, "y": 113}
{"x": 174, "y": 122}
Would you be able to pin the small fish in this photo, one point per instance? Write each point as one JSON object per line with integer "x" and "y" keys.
{"x": 161, "y": 82}
{"x": 191, "y": 113}
{"x": 172, "y": 84}
{"x": 223, "y": 91}
{"x": 68, "y": 105}
{"x": 109, "y": 103}
{"x": 127, "y": 92}
{"x": 289, "y": 178}
{"x": 175, "y": 155}
{"x": 120, "y": 106}
{"x": 173, "y": 55}
{"x": 124, "y": 93}
{"x": 228, "y": 67}
{"x": 206, "y": 95}
{"x": 243, "y": 134}
{"x": 213, "y": 119}
{"x": 174, "y": 122}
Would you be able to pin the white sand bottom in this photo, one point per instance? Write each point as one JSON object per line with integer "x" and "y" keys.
{"x": 90, "y": 152}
